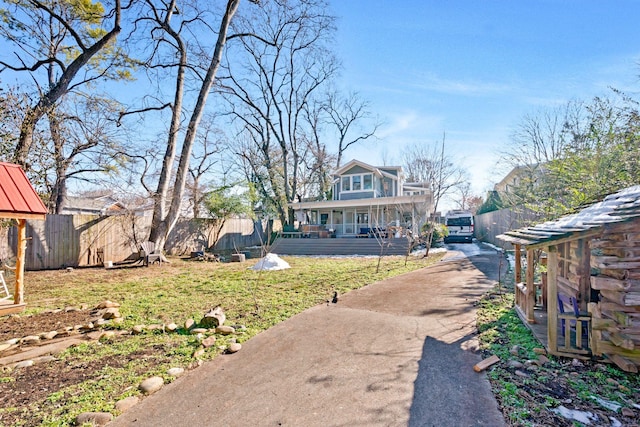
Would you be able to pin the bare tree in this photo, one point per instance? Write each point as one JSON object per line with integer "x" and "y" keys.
{"x": 346, "y": 115}
{"x": 63, "y": 46}
{"x": 174, "y": 30}
{"x": 84, "y": 145}
{"x": 431, "y": 164}
{"x": 211, "y": 144}
{"x": 284, "y": 67}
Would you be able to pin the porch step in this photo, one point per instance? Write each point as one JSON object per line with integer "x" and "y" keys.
{"x": 339, "y": 246}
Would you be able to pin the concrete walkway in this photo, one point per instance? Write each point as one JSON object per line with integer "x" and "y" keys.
{"x": 397, "y": 352}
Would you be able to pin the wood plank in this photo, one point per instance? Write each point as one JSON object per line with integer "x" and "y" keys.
{"x": 623, "y": 298}
{"x": 616, "y": 274}
{"x": 7, "y": 309}
{"x": 600, "y": 324}
{"x": 484, "y": 364}
{"x": 619, "y": 340}
{"x": 623, "y": 363}
{"x": 622, "y": 244}
{"x": 552, "y": 295}
{"x": 608, "y": 348}
{"x": 620, "y": 265}
{"x": 613, "y": 284}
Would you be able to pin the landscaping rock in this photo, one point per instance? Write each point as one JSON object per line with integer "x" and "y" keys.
{"x": 189, "y": 323}
{"x": 175, "y": 372}
{"x": 213, "y": 318}
{"x": 44, "y": 359}
{"x": 539, "y": 350}
{"x": 209, "y": 342}
{"x": 107, "y": 304}
{"x": 151, "y": 385}
{"x": 137, "y": 329}
{"x": 30, "y": 339}
{"x": 48, "y": 335}
{"x": 5, "y": 346}
{"x": 117, "y": 320}
{"x": 522, "y": 374}
{"x": 71, "y": 309}
{"x": 24, "y": 364}
{"x": 13, "y": 341}
{"x": 111, "y": 313}
{"x": 234, "y": 347}
{"x": 87, "y": 327}
{"x": 127, "y": 403}
{"x": 225, "y": 330}
{"x": 107, "y": 335}
{"x": 627, "y": 412}
{"x": 199, "y": 352}
{"x": 515, "y": 350}
{"x": 196, "y": 331}
{"x": 172, "y": 327}
{"x": 95, "y": 418}
{"x": 543, "y": 359}
{"x": 515, "y": 364}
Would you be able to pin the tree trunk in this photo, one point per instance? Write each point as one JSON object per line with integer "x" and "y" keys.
{"x": 163, "y": 227}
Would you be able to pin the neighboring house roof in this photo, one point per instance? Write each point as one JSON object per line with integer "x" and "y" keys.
{"x": 92, "y": 205}
{"x": 515, "y": 175}
{"x": 616, "y": 208}
{"x": 18, "y": 198}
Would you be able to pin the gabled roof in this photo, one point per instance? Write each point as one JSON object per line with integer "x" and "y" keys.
{"x": 377, "y": 170}
{"x": 18, "y": 198}
{"x": 619, "y": 207}
{"x": 353, "y": 163}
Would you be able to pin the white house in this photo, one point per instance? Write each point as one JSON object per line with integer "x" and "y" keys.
{"x": 366, "y": 199}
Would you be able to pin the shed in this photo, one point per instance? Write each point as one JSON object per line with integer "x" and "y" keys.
{"x": 18, "y": 201}
{"x": 588, "y": 305}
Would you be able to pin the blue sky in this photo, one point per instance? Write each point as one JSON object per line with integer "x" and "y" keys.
{"x": 473, "y": 69}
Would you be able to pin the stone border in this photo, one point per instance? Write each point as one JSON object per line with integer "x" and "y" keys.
{"x": 41, "y": 347}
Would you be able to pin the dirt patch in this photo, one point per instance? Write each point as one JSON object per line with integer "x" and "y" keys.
{"x": 22, "y": 326}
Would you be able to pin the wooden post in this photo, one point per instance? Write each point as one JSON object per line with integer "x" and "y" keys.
{"x": 518, "y": 256}
{"x": 531, "y": 288}
{"x": 552, "y": 297}
{"x": 18, "y": 296}
{"x": 584, "y": 273}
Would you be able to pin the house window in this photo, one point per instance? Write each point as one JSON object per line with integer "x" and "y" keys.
{"x": 367, "y": 182}
{"x": 346, "y": 183}
{"x": 357, "y": 182}
{"x": 324, "y": 218}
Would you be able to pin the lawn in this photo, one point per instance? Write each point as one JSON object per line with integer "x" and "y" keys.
{"x": 94, "y": 375}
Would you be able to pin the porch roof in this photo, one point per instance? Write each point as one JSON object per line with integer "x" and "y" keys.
{"x": 619, "y": 207}
{"x": 355, "y": 203}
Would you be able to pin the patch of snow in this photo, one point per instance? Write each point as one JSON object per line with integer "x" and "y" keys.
{"x": 612, "y": 406}
{"x": 573, "y": 414}
{"x": 270, "y": 262}
{"x": 615, "y": 422}
{"x": 422, "y": 252}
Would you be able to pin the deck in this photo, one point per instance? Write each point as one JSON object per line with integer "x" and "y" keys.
{"x": 565, "y": 348}
{"x": 340, "y": 246}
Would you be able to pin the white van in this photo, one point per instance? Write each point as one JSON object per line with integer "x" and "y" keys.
{"x": 460, "y": 226}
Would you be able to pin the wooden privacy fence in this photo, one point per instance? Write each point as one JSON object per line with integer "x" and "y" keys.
{"x": 87, "y": 240}
{"x": 491, "y": 224}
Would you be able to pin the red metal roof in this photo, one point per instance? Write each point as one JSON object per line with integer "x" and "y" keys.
{"x": 18, "y": 198}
